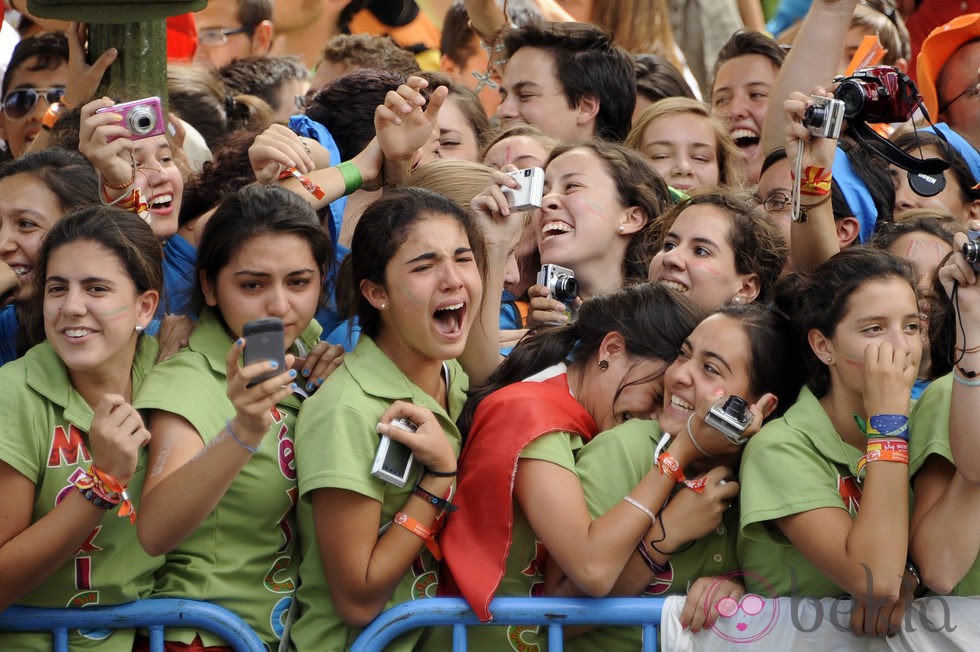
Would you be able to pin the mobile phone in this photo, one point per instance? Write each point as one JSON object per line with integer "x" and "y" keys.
{"x": 265, "y": 340}
{"x": 394, "y": 461}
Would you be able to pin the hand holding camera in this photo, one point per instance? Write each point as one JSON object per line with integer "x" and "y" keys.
{"x": 728, "y": 422}
{"x": 554, "y": 296}
{"x": 413, "y": 429}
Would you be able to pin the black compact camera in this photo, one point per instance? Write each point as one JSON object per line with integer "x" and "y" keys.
{"x": 877, "y": 94}
{"x": 971, "y": 250}
{"x": 731, "y": 417}
{"x": 560, "y": 282}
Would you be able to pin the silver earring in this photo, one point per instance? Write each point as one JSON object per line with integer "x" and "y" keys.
{"x": 138, "y": 328}
{"x": 621, "y": 228}
{"x": 737, "y": 299}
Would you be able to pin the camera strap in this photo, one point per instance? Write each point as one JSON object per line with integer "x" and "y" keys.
{"x": 925, "y": 175}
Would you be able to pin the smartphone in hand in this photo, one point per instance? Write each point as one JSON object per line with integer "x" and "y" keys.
{"x": 264, "y": 341}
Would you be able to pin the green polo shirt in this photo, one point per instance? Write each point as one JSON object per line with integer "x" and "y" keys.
{"x": 335, "y": 447}
{"x": 243, "y": 554}
{"x": 794, "y": 464}
{"x": 610, "y": 466}
{"x": 929, "y": 423}
{"x": 44, "y": 436}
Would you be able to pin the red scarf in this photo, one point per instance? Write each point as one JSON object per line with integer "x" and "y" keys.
{"x": 476, "y": 539}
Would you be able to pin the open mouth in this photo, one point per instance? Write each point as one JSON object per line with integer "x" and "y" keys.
{"x": 680, "y": 404}
{"x": 554, "y": 229}
{"x": 744, "y": 138}
{"x": 162, "y": 202}
{"x": 21, "y": 270}
{"x": 77, "y": 333}
{"x": 674, "y": 285}
{"x": 449, "y": 317}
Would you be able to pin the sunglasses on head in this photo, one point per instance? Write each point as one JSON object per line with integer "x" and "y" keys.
{"x": 19, "y": 102}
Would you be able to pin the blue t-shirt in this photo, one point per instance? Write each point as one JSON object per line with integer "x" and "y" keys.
{"x": 179, "y": 259}
{"x": 9, "y": 332}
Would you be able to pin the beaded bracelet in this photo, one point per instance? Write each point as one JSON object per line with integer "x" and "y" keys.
{"x": 93, "y": 497}
{"x": 430, "y": 497}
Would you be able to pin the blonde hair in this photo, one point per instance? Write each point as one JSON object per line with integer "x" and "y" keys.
{"x": 729, "y": 158}
{"x": 459, "y": 180}
{"x": 639, "y": 26}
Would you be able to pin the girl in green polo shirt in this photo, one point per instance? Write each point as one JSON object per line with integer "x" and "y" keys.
{"x": 70, "y": 441}
{"x": 415, "y": 283}
{"x": 220, "y": 497}
{"x": 824, "y": 495}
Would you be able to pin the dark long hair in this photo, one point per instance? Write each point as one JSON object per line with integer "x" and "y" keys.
{"x": 652, "y": 319}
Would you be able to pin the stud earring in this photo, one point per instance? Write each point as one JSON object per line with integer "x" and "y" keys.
{"x": 621, "y": 228}
{"x": 603, "y": 364}
{"x": 384, "y": 306}
{"x": 830, "y": 360}
{"x": 138, "y": 328}
{"x": 738, "y": 300}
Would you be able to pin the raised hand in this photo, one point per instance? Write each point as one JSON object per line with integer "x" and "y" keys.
{"x": 116, "y": 435}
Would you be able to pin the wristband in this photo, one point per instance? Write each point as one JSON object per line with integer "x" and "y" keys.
{"x": 963, "y": 380}
{"x": 670, "y": 467}
{"x": 110, "y": 482}
{"x": 814, "y": 182}
{"x": 428, "y": 536}
{"x": 441, "y": 474}
{"x": 234, "y": 438}
{"x": 648, "y": 560}
{"x": 351, "y": 175}
{"x": 92, "y": 496}
{"x": 888, "y": 425}
{"x": 304, "y": 180}
{"x": 433, "y": 499}
{"x": 643, "y": 508}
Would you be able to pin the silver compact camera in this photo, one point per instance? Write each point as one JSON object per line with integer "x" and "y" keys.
{"x": 731, "y": 417}
{"x": 394, "y": 461}
{"x": 824, "y": 117}
{"x": 529, "y": 195}
{"x": 971, "y": 250}
{"x": 560, "y": 282}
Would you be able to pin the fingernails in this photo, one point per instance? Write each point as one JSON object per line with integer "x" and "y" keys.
{"x": 319, "y": 381}
{"x": 239, "y": 342}
{"x": 306, "y": 372}
{"x": 274, "y": 364}
{"x": 292, "y": 373}
{"x": 293, "y": 386}
{"x": 310, "y": 387}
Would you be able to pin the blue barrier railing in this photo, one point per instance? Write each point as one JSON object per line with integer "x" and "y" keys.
{"x": 154, "y": 615}
{"x": 553, "y": 613}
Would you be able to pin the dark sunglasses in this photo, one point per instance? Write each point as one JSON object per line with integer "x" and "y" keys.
{"x": 18, "y": 103}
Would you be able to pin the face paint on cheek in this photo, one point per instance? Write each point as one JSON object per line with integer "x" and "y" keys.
{"x": 115, "y": 313}
{"x": 587, "y": 206}
{"x": 857, "y": 364}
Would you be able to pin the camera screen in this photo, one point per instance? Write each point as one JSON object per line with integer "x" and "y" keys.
{"x": 396, "y": 460}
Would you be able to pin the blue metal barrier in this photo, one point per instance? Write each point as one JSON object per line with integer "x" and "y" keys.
{"x": 153, "y": 615}
{"x": 554, "y": 613}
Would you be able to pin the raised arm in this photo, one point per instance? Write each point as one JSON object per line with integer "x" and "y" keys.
{"x": 812, "y": 61}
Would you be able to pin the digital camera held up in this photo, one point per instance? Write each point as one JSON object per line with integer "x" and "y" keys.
{"x": 560, "y": 282}
{"x": 824, "y": 117}
{"x": 144, "y": 118}
{"x": 971, "y": 250}
{"x": 731, "y": 417}
{"x": 529, "y": 195}
{"x": 878, "y": 94}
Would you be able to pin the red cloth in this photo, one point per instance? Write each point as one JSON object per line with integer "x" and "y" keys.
{"x": 476, "y": 539}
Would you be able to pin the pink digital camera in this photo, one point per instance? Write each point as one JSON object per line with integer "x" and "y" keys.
{"x": 143, "y": 118}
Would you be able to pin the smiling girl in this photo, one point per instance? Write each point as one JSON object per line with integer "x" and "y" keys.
{"x": 715, "y": 248}
{"x": 69, "y": 433}
{"x": 219, "y": 497}
{"x": 689, "y": 148}
{"x": 825, "y": 488}
{"x": 35, "y": 192}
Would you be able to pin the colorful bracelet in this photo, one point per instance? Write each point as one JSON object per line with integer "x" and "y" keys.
{"x": 351, "y": 175}
{"x": 430, "y": 497}
{"x": 231, "y": 433}
{"x": 670, "y": 467}
{"x": 428, "y": 536}
{"x": 657, "y": 569}
{"x": 118, "y": 490}
{"x": 304, "y": 180}
{"x": 815, "y": 181}
{"x": 888, "y": 426}
{"x": 93, "y": 497}
{"x": 884, "y": 450}
{"x": 643, "y": 508}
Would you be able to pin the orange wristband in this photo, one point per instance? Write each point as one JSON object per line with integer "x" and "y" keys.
{"x": 669, "y": 466}
{"x": 428, "y": 536}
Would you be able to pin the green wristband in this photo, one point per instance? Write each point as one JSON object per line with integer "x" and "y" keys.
{"x": 351, "y": 175}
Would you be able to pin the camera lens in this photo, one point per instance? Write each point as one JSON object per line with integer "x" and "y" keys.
{"x": 851, "y": 93}
{"x": 971, "y": 251}
{"x": 736, "y": 406}
{"x": 814, "y": 117}
{"x": 141, "y": 121}
{"x": 566, "y": 289}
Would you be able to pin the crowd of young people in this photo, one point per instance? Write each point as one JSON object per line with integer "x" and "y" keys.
{"x": 722, "y": 255}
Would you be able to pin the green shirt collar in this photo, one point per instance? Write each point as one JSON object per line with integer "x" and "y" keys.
{"x": 808, "y": 417}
